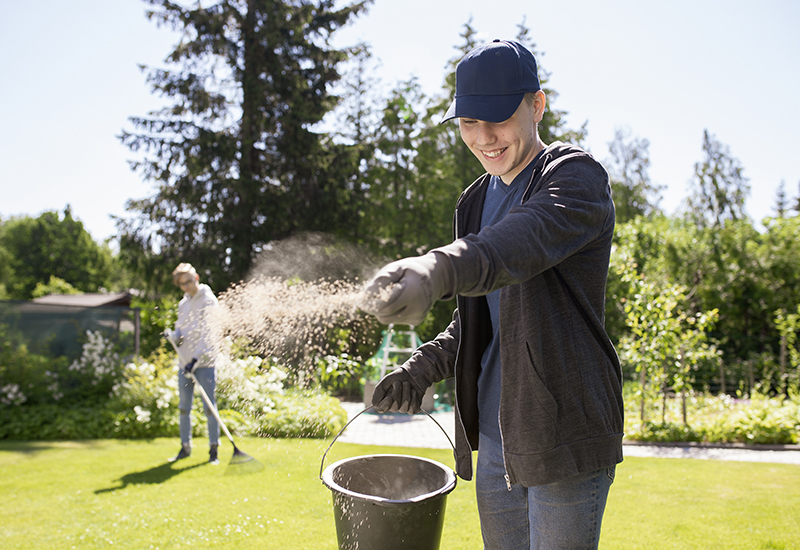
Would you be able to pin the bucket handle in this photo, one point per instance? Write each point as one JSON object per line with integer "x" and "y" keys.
{"x": 322, "y": 464}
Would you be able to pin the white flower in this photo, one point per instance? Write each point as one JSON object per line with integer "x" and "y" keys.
{"x": 11, "y": 395}
{"x": 142, "y": 415}
{"x": 97, "y": 357}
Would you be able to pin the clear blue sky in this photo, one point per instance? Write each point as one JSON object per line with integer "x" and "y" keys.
{"x": 665, "y": 70}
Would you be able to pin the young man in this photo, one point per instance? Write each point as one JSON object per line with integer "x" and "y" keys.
{"x": 195, "y": 355}
{"x": 537, "y": 380}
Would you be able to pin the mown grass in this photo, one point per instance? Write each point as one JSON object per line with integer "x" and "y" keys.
{"x": 123, "y": 494}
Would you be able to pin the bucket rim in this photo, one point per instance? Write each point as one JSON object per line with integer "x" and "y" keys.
{"x": 450, "y": 484}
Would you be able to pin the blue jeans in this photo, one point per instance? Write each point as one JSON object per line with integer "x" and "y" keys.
{"x": 207, "y": 379}
{"x": 566, "y": 514}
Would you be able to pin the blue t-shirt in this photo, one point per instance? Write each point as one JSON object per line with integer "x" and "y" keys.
{"x": 500, "y": 198}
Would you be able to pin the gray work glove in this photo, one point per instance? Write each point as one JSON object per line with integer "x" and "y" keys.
{"x": 404, "y": 291}
{"x": 397, "y": 392}
{"x": 169, "y": 334}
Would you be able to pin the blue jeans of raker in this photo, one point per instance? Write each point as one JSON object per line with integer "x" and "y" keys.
{"x": 565, "y": 515}
{"x": 206, "y": 377}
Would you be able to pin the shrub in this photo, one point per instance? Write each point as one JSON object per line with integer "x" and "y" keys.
{"x": 145, "y": 400}
{"x": 51, "y": 421}
{"x": 249, "y": 384}
{"x": 303, "y": 413}
{"x": 714, "y": 419}
{"x": 342, "y": 376}
{"x": 761, "y": 421}
{"x": 663, "y": 432}
{"x": 25, "y": 377}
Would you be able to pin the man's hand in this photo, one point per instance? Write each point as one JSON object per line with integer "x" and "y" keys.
{"x": 397, "y": 392}
{"x": 404, "y": 291}
{"x": 187, "y": 370}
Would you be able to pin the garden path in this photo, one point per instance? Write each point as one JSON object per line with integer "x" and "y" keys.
{"x": 419, "y": 431}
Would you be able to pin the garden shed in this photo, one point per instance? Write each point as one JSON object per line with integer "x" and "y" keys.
{"x": 57, "y": 323}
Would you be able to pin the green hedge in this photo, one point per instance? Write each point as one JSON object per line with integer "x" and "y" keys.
{"x": 143, "y": 403}
{"x": 298, "y": 414}
{"x": 758, "y": 420}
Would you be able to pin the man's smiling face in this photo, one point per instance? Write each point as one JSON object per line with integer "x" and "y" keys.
{"x": 505, "y": 148}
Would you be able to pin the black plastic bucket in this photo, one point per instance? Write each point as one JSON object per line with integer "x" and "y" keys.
{"x": 388, "y": 502}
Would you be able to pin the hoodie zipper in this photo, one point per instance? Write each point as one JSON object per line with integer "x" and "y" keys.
{"x": 503, "y": 450}
{"x": 456, "y": 235}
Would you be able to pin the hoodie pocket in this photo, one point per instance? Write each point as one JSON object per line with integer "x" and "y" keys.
{"x": 536, "y": 413}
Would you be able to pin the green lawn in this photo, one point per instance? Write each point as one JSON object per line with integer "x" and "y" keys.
{"x": 123, "y": 494}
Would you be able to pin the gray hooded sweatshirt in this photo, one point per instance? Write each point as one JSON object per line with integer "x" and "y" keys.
{"x": 561, "y": 411}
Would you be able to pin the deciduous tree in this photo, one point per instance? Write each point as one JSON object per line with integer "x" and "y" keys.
{"x": 52, "y": 246}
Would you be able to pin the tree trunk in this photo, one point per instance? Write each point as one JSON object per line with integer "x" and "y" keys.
{"x": 783, "y": 376}
{"x": 642, "y": 381}
{"x": 683, "y": 407}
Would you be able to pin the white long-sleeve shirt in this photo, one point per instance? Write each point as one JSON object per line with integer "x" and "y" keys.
{"x": 192, "y": 330}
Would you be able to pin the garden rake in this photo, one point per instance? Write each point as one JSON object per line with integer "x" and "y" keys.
{"x": 241, "y": 463}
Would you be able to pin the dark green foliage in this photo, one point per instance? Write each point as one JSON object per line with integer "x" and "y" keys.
{"x": 234, "y": 161}
{"x": 155, "y": 316}
{"x": 43, "y": 422}
{"x": 303, "y": 414}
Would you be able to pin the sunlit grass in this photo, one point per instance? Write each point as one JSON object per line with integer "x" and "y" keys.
{"x": 123, "y": 494}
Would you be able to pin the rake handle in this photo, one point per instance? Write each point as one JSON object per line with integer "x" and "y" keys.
{"x": 204, "y": 395}
{"x": 212, "y": 408}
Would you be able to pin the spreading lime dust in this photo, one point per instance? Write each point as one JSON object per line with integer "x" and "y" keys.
{"x": 288, "y": 319}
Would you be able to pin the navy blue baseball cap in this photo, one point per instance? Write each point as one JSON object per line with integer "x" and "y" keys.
{"x": 491, "y": 81}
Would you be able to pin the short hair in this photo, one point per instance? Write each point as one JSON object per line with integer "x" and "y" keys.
{"x": 183, "y": 269}
{"x": 530, "y": 97}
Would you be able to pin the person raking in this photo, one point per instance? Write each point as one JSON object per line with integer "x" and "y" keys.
{"x": 195, "y": 344}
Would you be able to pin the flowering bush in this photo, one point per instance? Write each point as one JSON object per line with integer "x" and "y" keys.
{"x": 98, "y": 361}
{"x": 145, "y": 398}
{"x": 10, "y": 394}
{"x": 250, "y": 396}
{"x": 33, "y": 378}
{"x": 343, "y": 376}
{"x": 97, "y": 396}
{"x": 249, "y": 385}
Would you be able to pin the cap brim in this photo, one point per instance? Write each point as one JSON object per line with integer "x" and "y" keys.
{"x": 451, "y": 113}
{"x": 495, "y": 108}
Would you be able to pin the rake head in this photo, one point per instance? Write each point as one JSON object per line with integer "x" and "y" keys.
{"x": 242, "y": 464}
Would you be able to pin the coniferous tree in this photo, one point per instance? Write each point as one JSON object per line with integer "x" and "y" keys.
{"x": 719, "y": 188}
{"x": 634, "y": 192}
{"x": 233, "y": 157}
{"x": 797, "y": 200}
{"x": 781, "y": 200}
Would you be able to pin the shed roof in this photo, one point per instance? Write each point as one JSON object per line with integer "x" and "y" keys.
{"x": 88, "y": 299}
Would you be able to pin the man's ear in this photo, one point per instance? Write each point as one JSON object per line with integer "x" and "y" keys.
{"x": 539, "y": 104}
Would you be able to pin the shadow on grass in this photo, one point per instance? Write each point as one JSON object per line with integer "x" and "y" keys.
{"x": 158, "y": 474}
{"x": 30, "y": 447}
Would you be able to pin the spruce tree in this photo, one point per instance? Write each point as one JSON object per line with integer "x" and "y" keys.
{"x": 233, "y": 158}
